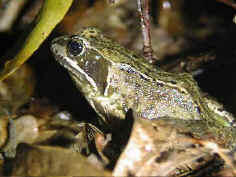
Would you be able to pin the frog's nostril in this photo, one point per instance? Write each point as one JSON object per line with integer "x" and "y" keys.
{"x": 53, "y": 47}
{"x": 58, "y": 44}
{"x": 54, "y": 41}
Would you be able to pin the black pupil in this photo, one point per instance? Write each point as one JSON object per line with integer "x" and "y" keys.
{"x": 75, "y": 48}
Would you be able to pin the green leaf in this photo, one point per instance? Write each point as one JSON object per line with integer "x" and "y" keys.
{"x": 50, "y": 15}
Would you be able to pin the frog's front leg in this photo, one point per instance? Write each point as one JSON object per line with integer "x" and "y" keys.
{"x": 219, "y": 111}
{"x": 109, "y": 107}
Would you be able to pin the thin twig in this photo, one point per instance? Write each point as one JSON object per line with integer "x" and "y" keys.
{"x": 145, "y": 26}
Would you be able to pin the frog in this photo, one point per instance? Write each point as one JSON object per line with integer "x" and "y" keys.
{"x": 115, "y": 79}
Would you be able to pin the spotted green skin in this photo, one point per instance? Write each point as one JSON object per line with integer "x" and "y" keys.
{"x": 114, "y": 80}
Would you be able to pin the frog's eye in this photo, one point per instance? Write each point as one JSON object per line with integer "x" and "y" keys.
{"x": 75, "y": 48}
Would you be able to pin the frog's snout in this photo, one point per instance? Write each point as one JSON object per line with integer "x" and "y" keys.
{"x": 58, "y": 46}
{"x": 53, "y": 45}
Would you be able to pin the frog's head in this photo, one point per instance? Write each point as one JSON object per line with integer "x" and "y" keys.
{"x": 81, "y": 55}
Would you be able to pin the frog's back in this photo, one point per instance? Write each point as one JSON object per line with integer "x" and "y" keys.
{"x": 150, "y": 92}
{"x": 118, "y": 54}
